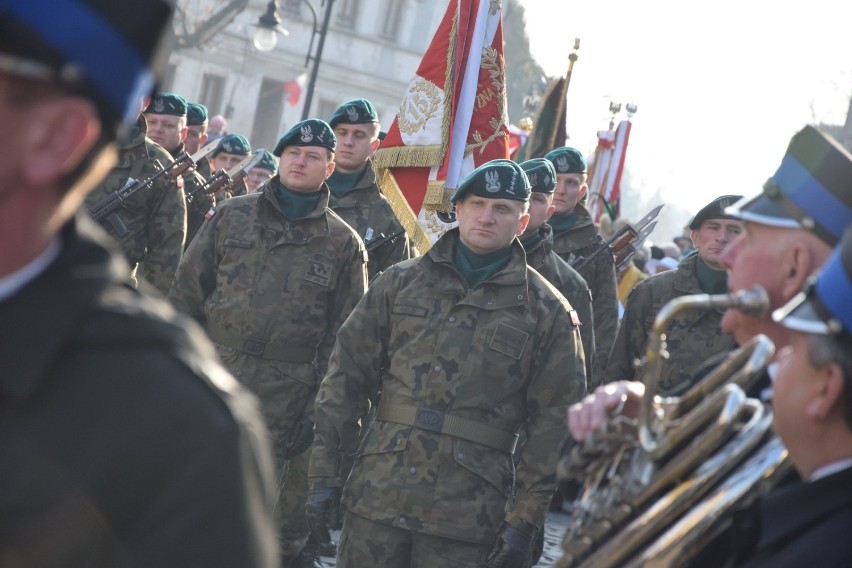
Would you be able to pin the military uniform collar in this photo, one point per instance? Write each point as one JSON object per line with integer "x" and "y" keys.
{"x": 135, "y": 135}
{"x": 508, "y": 287}
{"x": 685, "y": 279}
{"x": 268, "y": 194}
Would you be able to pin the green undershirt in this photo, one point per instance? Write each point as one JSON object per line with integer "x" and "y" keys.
{"x": 532, "y": 241}
{"x": 341, "y": 183}
{"x": 562, "y": 223}
{"x": 476, "y": 268}
{"x": 711, "y": 281}
{"x": 293, "y": 204}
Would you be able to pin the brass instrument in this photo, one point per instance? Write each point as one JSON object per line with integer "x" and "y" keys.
{"x": 656, "y": 490}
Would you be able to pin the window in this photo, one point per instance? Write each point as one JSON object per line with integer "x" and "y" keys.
{"x": 392, "y": 18}
{"x": 212, "y": 89}
{"x": 347, "y": 13}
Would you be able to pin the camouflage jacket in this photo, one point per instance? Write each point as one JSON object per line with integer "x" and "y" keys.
{"x": 260, "y": 283}
{"x": 582, "y": 240}
{"x": 151, "y": 226}
{"x": 368, "y": 212}
{"x": 504, "y": 355}
{"x": 692, "y": 336}
{"x": 198, "y": 203}
{"x": 570, "y": 283}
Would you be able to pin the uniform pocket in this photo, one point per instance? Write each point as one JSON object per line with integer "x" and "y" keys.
{"x": 493, "y": 466}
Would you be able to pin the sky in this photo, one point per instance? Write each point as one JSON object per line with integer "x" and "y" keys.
{"x": 720, "y": 86}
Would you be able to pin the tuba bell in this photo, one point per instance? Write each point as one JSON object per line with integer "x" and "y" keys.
{"x": 655, "y": 490}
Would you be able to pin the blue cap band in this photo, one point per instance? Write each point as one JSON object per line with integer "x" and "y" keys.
{"x": 111, "y": 65}
{"x": 812, "y": 197}
{"x": 834, "y": 288}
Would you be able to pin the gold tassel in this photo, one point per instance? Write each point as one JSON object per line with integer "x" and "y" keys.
{"x": 402, "y": 210}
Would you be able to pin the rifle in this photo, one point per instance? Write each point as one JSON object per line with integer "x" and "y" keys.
{"x": 106, "y": 207}
{"x": 222, "y": 180}
{"x": 382, "y": 239}
{"x": 624, "y": 244}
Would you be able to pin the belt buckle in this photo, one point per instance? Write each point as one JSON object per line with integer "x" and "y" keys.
{"x": 254, "y": 347}
{"x": 428, "y": 419}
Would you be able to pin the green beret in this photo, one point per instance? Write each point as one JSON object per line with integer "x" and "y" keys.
{"x": 359, "y": 111}
{"x": 714, "y": 210}
{"x": 167, "y": 103}
{"x": 310, "y": 132}
{"x": 541, "y": 174}
{"x": 196, "y": 114}
{"x": 497, "y": 179}
{"x": 233, "y": 144}
{"x": 267, "y": 162}
{"x": 567, "y": 160}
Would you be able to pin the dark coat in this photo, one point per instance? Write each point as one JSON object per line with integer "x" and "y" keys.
{"x": 805, "y": 524}
{"x": 122, "y": 443}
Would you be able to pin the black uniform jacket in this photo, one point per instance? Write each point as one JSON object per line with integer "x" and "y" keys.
{"x": 122, "y": 443}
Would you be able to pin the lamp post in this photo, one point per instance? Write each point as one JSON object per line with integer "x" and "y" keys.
{"x": 323, "y": 31}
{"x": 265, "y": 38}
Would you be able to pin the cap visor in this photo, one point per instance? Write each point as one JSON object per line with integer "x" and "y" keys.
{"x": 799, "y": 315}
{"x": 764, "y": 211}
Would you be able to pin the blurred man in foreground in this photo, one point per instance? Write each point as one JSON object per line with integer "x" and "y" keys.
{"x": 122, "y": 441}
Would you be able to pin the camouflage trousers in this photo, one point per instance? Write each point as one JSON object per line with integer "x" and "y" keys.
{"x": 368, "y": 543}
{"x": 293, "y": 529}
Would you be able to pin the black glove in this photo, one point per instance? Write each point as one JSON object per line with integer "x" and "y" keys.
{"x": 300, "y": 439}
{"x": 321, "y": 509}
{"x": 513, "y": 548}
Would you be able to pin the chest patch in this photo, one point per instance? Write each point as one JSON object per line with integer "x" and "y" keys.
{"x": 509, "y": 340}
{"x": 318, "y": 272}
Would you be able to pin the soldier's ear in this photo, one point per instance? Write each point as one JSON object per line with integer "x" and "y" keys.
{"x": 60, "y": 132}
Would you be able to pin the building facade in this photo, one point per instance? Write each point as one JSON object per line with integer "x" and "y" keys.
{"x": 372, "y": 49}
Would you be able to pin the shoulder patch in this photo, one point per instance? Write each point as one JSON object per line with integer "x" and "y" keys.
{"x": 210, "y": 213}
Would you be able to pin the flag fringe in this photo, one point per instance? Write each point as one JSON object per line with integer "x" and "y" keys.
{"x": 437, "y": 197}
{"x": 409, "y": 156}
{"x": 402, "y": 209}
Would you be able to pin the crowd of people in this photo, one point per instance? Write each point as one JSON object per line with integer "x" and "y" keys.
{"x": 219, "y": 374}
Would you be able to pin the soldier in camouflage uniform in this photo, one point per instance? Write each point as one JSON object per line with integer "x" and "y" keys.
{"x": 538, "y": 244}
{"x": 271, "y": 276}
{"x": 151, "y": 226}
{"x": 574, "y": 237}
{"x": 231, "y": 150}
{"x": 198, "y": 202}
{"x": 468, "y": 346}
{"x": 262, "y": 172}
{"x": 694, "y": 336}
{"x": 196, "y": 135}
{"x": 355, "y": 195}
{"x": 167, "y": 116}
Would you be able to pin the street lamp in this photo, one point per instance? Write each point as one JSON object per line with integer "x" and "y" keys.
{"x": 266, "y": 36}
{"x": 309, "y": 95}
{"x": 268, "y": 28}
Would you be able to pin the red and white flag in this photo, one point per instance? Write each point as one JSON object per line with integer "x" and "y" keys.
{"x": 294, "y": 88}
{"x": 605, "y": 177}
{"x": 452, "y": 119}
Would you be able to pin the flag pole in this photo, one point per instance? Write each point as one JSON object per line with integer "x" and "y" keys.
{"x": 571, "y": 59}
